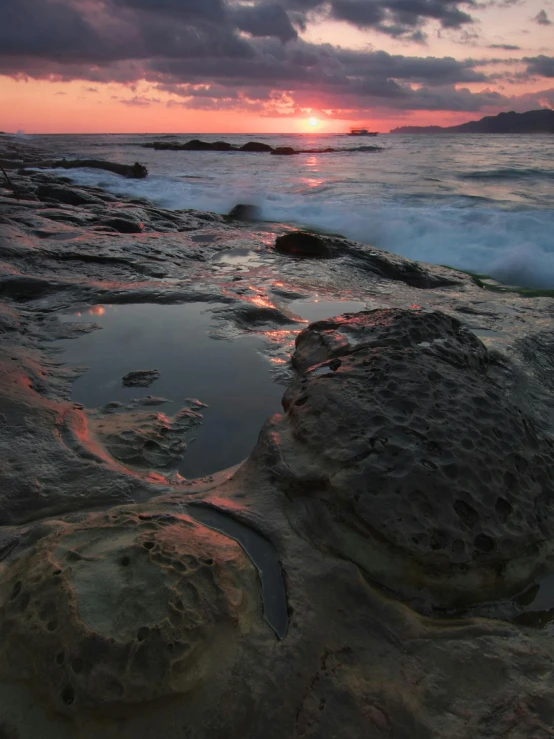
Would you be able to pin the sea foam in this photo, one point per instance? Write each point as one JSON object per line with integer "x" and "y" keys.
{"x": 515, "y": 246}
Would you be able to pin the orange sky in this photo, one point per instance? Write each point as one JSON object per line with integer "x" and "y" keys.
{"x": 51, "y": 105}
{"x": 38, "y": 106}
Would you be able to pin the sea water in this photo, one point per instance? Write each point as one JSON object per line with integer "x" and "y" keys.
{"x": 482, "y": 203}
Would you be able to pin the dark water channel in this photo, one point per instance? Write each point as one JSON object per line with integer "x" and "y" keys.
{"x": 263, "y": 555}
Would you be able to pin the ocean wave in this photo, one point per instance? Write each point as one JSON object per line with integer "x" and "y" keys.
{"x": 361, "y": 149}
{"x": 514, "y": 246}
{"x": 509, "y": 173}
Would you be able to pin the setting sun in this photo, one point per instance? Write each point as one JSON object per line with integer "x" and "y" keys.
{"x": 313, "y": 122}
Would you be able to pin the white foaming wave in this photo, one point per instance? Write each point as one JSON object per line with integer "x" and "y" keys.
{"x": 515, "y": 247}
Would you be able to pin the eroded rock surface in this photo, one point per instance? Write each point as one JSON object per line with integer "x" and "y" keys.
{"x": 411, "y": 455}
{"x": 132, "y": 608}
{"x": 147, "y": 439}
{"x": 410, "y": 473}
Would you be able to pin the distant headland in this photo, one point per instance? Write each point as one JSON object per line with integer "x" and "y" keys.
{"x": 534, "y": 121}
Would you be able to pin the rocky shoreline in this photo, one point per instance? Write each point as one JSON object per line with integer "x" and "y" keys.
{"x": 381, "y": 564}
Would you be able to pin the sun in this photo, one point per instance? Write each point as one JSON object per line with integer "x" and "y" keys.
{"x": 313, "y": 122}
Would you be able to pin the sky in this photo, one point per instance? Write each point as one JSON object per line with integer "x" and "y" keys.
{"x": 269, "y": 66}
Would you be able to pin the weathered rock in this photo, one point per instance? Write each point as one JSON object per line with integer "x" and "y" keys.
{"x": 140, "y": 378}
{"x": 284, "y": 151}
{"x": 434, "y": 333}
{"x": 302, "y": 244}
{"x": 340, "y": 497}
{"x": 248, "y": 315}
{"x": 393, "y": 267}
{"x": 193, "y": 145}
{"x": 132, "y": 171}
{"x": 245, "y": 212}
{"x": 130, "y": 608}
{"x": 407, "y": 452}
{"x": 145, "y": 439}
{"x": 66, "y": 195}
{"x": 196, "y": 145}
{"x": 256, "y": 146}
{"x": 123, "y": 225}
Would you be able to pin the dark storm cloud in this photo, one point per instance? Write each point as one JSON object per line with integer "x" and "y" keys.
{"x": 53, "y": 30}
{"x": 214, "y": 51}
{"x": 402, "y": 13}
{"x": 429, "y": 70}
{"x": 267, "y": 19}
{"x": 210, "y": 9}
{"x": 393, "y": 17}
{"x": 542, "y": 66}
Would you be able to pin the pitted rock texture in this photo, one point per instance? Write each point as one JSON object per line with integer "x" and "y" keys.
{"x": 434, "y": 333}
{"x": 409, "y": 457}
{"x": 127, "y": 608}
{"x": 147, "y": 439}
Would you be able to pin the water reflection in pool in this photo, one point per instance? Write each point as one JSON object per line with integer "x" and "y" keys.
{"x": 229, "y": 376}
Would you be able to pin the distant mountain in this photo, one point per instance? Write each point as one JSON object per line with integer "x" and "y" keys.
{"x": 534, "y": 121}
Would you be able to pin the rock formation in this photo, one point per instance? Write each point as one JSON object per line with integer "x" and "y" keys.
{"x": 412, "y": 457}
{"x": 381, "y": 564}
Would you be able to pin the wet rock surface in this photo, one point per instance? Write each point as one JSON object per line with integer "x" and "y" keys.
{"x": 134, "y": 171}
{"x": 302, "y": 244}
{"x": 405, "y": 494}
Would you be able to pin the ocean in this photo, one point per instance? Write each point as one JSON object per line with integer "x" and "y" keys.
{"x": 481, "y": 203}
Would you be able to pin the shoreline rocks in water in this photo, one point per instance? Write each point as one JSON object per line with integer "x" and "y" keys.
{"x": 134, "y": 171}
{"x": 406, "y": 490}
{"x": 251, "y": 146}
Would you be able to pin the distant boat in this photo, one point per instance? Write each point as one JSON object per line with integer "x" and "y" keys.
{"x": 362, "y": 132}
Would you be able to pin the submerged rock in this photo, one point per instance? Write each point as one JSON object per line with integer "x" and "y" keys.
{"x": 140, "y": 378}
{"x": 411, "y": 456}
{"x": 284, "y": 151}
{"x": 256, "y": 146}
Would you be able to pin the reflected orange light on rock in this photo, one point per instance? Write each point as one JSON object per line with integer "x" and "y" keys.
{"x": 97, "y": 310}
{"x": 261, "y": 302}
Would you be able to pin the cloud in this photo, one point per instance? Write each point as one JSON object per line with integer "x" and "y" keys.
{"x": 247, "y": 55}
{"x": 393, "y": 17}
{"x": 407, "y": 14}
{"x": 542, "y": 18}
{"x": 505, "y": 47}
{"x": 139, "y": 101}
{"x": 267, "y": 19}
{"x": 542, "y": 66}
